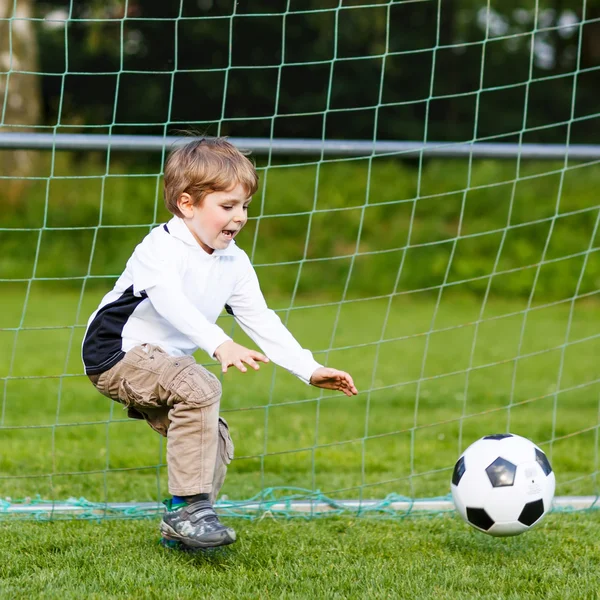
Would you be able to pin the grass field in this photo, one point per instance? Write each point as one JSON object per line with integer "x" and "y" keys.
{"x": 428, "y": 387}
{"x": 420, "y": 558}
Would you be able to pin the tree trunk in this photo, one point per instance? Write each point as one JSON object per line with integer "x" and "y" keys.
{"x": 20, "y": 94}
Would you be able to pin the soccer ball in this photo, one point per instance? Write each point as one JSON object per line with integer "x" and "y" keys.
{"x": 503, "y": 484}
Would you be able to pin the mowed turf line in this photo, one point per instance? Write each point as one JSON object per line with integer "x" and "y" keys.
{"x": 420, "y": 558}
{"x": 444, "y": 375}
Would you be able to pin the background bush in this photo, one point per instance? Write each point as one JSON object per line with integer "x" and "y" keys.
{"x": 339, "y": 216}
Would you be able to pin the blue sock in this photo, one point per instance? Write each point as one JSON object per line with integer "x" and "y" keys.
{"x": 178, "y": 500}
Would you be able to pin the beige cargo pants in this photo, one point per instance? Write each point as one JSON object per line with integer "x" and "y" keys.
{"x": 180, "y": 400}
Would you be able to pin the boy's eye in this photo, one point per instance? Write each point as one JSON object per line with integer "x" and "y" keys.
{"x": 230, "y": 207}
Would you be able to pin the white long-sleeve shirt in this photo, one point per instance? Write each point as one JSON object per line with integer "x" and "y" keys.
{"x": 171, "y": 294}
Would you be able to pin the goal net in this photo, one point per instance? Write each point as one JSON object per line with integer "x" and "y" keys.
{"x": 455, "y": 276}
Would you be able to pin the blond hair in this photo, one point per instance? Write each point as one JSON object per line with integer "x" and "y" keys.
{"x": 206, "y": 165}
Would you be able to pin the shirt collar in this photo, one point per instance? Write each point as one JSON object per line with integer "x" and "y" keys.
{"x": 177, "y": 228}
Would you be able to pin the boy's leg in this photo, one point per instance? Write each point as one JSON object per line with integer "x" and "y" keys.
{"x": 147, "y": 379}
{"x": 158, "y": 418}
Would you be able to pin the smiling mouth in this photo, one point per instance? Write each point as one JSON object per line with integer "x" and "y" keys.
{"x": 229, "y": 233}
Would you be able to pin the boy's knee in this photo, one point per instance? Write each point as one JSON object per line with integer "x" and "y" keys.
{"x": 196, "y": 386}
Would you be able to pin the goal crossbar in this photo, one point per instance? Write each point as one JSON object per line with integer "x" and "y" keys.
{"x": 303, "y": 146}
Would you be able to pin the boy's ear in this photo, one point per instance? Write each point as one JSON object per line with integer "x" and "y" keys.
{"x": 185, "y": 204}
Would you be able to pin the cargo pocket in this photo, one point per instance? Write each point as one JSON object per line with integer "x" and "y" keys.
{"x": 224, "y": 457}
{"x": 132, "y": 398}
{"x": 225, "y": 442}
{"x": 191, "y": 383}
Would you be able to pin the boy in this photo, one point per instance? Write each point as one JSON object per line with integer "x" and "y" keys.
{"x": 139, "y": 343}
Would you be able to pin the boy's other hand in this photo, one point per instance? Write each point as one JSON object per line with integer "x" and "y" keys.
{"x": 230, "y": 354}
{"x": 332, "y": 379}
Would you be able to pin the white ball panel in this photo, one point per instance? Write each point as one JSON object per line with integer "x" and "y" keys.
{"x": 517, "y": 449}
{"x": 474, "y": 489}
{"x": 505, "y": 504}
{"x": 532, "y": 480}
{"x": 458, "y": 503}
{"x": 548, "y": 494}
{"x": 481, "y": 454}
{"x": 506, "y": 529}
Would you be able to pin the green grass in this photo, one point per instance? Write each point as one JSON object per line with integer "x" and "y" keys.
{"x": 420, "y": 558}
{"x": 428, "y": 387}
{"x": 427, "y": 391}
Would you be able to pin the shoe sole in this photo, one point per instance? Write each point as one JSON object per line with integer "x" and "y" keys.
{"x": 169, "y": 534}
{"x": 179, "y": 547}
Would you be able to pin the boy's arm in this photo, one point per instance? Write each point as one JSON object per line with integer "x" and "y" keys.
{"x": 266, "y": 329}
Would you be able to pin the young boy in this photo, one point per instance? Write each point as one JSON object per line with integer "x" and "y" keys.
{"x": 139, "y": 343}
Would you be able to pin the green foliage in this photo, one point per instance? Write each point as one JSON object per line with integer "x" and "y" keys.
{"x": 338, "y": 226}
{"x": 460, "y": 72}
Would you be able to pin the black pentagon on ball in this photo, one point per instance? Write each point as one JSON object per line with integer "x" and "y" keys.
{"x": 531, "y": 512}
{"x": 543, "y": 461}
{"x": 498, "y": 436}
{"x": 479, "y": 518}
{"x": 459, "y": 470}
{"x": 501, "y": 473}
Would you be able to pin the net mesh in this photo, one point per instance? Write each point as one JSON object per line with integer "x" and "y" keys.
{"x": 462, "y": 295}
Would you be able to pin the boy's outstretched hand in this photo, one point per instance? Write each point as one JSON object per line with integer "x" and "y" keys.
{"x": 332, "y": 379}
{"x": 230, "y": 354}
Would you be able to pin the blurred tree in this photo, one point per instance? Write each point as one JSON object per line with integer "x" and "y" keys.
{"x": 450, "y": 70}
{"x": 20, "y": 95}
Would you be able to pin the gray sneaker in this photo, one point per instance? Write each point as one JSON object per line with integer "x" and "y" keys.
{"x": 196, "y": 526}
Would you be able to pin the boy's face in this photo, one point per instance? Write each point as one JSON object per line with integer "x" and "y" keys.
{"x": 217, "y": 219}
